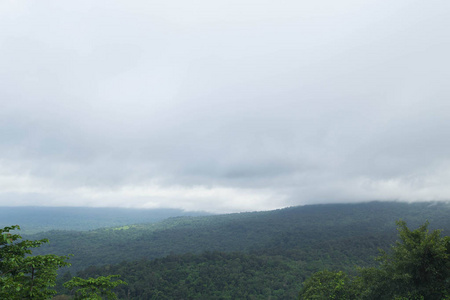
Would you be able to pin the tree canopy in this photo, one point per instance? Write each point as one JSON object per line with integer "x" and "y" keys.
{"x": 27, "y": 276}
{"x": 416, "y": 267}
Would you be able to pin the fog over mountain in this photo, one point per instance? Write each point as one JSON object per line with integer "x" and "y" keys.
{"x": 223, "y": 106}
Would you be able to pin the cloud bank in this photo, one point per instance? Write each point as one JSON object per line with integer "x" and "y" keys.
{"x": 223, "y": 105}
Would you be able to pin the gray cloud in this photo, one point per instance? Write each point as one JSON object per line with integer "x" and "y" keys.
{"x": 204, "y": 105}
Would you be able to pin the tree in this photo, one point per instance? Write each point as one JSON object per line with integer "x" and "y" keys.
{"x": 329, "y": 285}
{"x": 94, "y": 288}
{"x": 417, "y": 267}
{"x": 23, "y": 276}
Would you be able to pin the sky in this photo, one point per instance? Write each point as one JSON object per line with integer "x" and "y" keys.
{"x": 223, "y": 106}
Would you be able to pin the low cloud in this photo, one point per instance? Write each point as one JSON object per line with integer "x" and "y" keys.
{"x": 225, "y": 106}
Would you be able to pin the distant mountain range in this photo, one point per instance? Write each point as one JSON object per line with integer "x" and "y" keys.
{"x": 39, "y": 218}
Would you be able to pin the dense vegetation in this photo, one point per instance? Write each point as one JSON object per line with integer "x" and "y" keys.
{"x": 416, "y": 267}
{"x": 27, "y": 276}
{"x": 260, "y": 255}
{"x": 211, "y": 275}
{"x": 325, "y": 236}
{"x": 23, "y": 276}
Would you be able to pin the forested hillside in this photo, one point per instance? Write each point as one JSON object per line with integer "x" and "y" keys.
{"x": 323, "y": 235}
{"x": 258, "y": 255}
{"x": 211, "y": 275}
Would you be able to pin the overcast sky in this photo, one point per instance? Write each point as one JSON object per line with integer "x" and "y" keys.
{"x": 223, "y": 106}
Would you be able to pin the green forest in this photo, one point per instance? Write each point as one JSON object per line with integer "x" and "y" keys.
{"x": 308, "y": 252}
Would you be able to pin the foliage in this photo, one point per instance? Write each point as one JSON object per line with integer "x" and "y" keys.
{"x": 94, "y": 288}
{"x": 334, "y": 236}
{"x": 24, "y": 276}
{"x": 256, "y": 255}
{"x": 211, "y": 275}
{"x": 329, "y": 285}
{"x": 417, "y": 267}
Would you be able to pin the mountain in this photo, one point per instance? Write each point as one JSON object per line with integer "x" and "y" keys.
{"x": 39, "y": 219}
{"x": 331, "y": 235}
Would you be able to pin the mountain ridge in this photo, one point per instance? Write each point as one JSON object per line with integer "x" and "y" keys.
{"x": 293, "y": 231}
